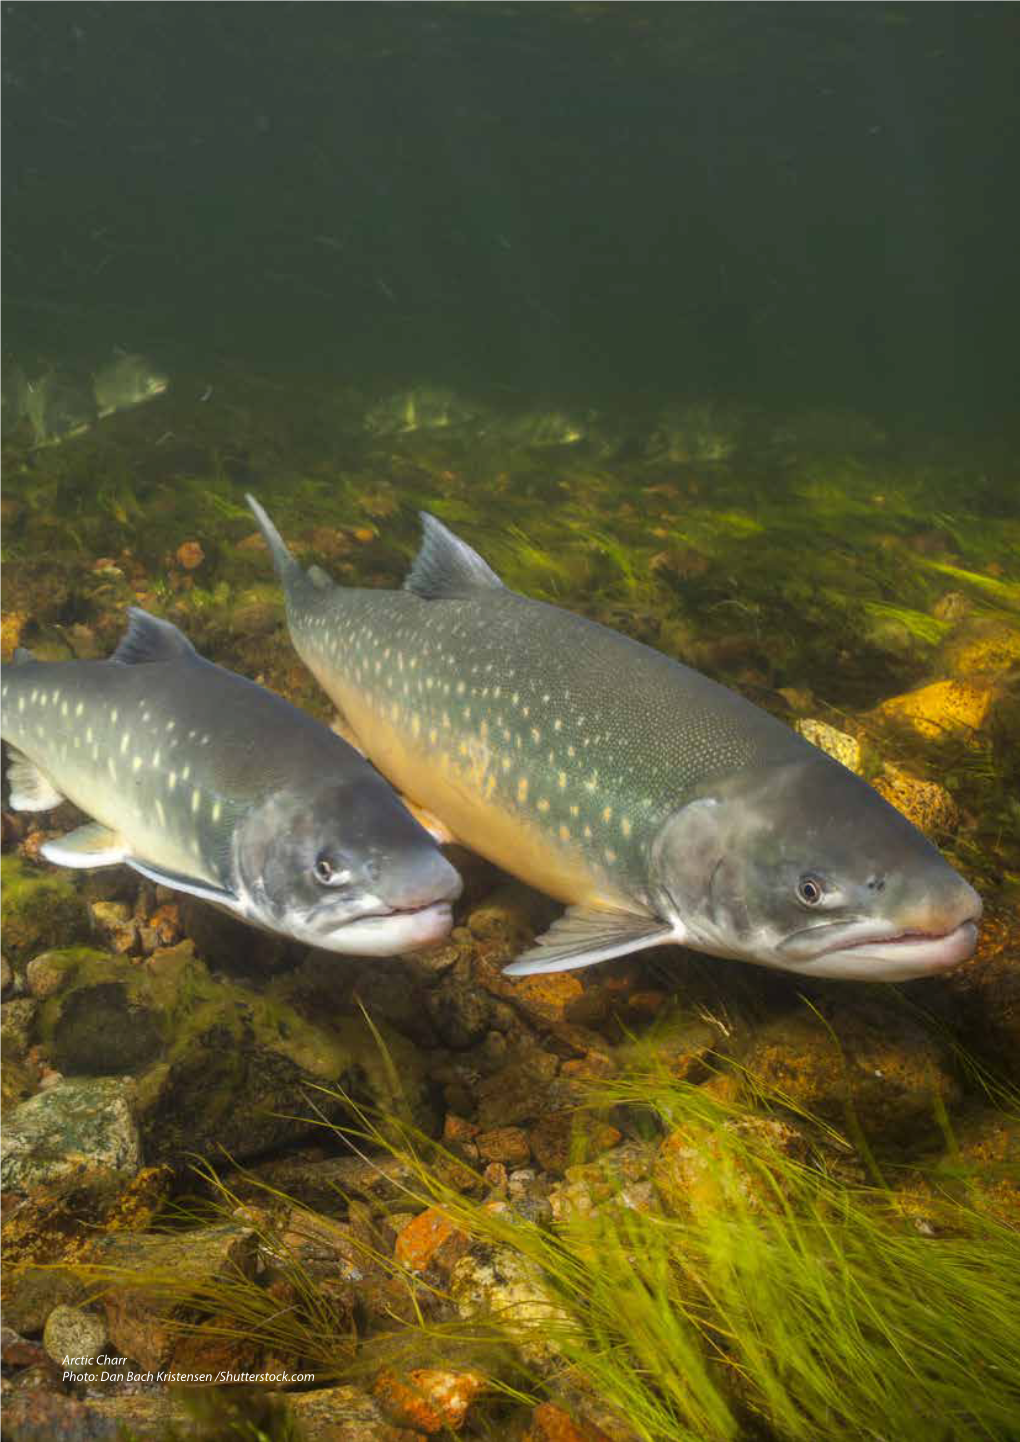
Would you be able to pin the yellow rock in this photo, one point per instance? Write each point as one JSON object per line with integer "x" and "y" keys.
{"x": 942, "y": 708}
{"x": 984, "y": 648}
{"x": 928, "y": 805}
{"x": 11, "y": 627}
{"x": 837, "y": 744}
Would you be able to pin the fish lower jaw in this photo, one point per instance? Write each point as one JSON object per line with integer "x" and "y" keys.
{"x": 392, "y": 932}
{"x": 901, "y": 957}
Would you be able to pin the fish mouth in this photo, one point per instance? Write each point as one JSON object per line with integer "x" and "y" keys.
{"x": 900, "y": 956}
{"x": 387, "y": 933}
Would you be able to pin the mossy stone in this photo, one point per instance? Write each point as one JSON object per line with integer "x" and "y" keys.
{"x": 17, "y": 1083}
{"x": 16, "y": 1022}
{"x": 81, "y": 1126}
{"x": 100, "y": 1019}
{"x": 236, "y": 1066}
{"x": 41, "y": 910}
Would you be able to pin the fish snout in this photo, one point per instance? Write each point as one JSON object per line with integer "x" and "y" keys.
{"x": 944, "y": 906}
{"x": 419, "y": 880}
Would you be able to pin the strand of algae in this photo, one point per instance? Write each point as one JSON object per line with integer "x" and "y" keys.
{"x": 786, "y": 1298}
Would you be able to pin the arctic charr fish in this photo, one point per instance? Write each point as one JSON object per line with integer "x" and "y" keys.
{"x": 210, "y": 784}
{"x": 659, "y": 805}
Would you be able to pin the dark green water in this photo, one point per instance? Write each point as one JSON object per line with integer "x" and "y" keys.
{"x": 786, "y": 202}
{"x": 698, "y": 319}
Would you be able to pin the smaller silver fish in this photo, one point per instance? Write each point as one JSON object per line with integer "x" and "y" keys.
{"x": 205, "y": 782}
{"x": 128, "y": 381}
{"x": 537, "y": 429}
{"x": 421, "y": 408}
{"x": 58, "y": 406}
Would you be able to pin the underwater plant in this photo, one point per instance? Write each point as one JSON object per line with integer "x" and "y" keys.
{"x": 767, "y": 1292}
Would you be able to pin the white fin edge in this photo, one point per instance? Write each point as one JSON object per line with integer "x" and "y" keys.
{"x": 584, "y": 936}
{"x": 89, "y": 846}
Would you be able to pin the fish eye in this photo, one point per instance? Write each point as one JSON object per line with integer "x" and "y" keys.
{"x": 810, "y": 890}
{"x": 330, "y": 875}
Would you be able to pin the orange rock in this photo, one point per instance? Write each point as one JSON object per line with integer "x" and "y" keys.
{"x": 364, "y": 534}
{"x": 190, "y": 555}
{"x": 166, "y": 923}
{"x": 457, "y": 1131}
{"x": 429, "y": 1399}
{"x": 430, "y": 1239}
{"x": 548, "y": 996}
{"x": 551, "y": 1424}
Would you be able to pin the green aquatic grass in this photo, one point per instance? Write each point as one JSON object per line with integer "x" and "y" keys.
{"x": 767, "y": 1298}
{"x": 1004, "y": 593}
{"x": 922, "y": 627}
{"x": 784, "y": 1298}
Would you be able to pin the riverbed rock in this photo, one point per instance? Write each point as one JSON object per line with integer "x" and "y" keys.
{"x": 701, "y": 1171}
{"x": 985, "y": 647}
{"x": 927, "y": 804}
{"x": 49, "y": 1417}
{"x": 31, "y": 1293}
{"x": 518, "y": 1092}
{"x": 329, "y": 1184}
{"x": 618, "y": 1178}
{"x": 873, "y": 1062}
{"x": 217, "y": 1063}
{"x": 550, "y": 1423}
{"x": 942, "y": 709}
{"x": 17, "y": 1018}
{"x": 981, "y": 999}
{"x": 839, "y": 745}
{"x": 570, "y": 1136}
{"x": 41, "y": 910}
{"x": 429, "y": 1399}
{"x": 74, "y": 1332}
{"x": 341, "y": 1414}
{"x": 430, "y": 1240}
{"x": 496, "y": 1281}
{"x": 84, "y": 1127}
{"x": 170, "y": 1280}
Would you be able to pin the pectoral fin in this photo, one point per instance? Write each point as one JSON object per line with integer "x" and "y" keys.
{"x": 193, "y": 886}
{"x": 90, "y": 845}
{"x": 31, "y": 789}
{"x": 582, "y": 936}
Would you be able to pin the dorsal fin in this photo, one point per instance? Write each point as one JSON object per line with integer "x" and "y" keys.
{"x": 149, "y": 639}
{"x": 446, "y": 567}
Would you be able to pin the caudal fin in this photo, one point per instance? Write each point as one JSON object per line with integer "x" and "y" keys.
{"x": 287, "y": 568}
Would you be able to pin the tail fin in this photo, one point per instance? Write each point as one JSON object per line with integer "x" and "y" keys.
{"x": 287, "y": 568}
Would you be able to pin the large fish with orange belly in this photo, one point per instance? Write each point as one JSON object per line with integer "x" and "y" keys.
{"x": 659, "y": 805}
